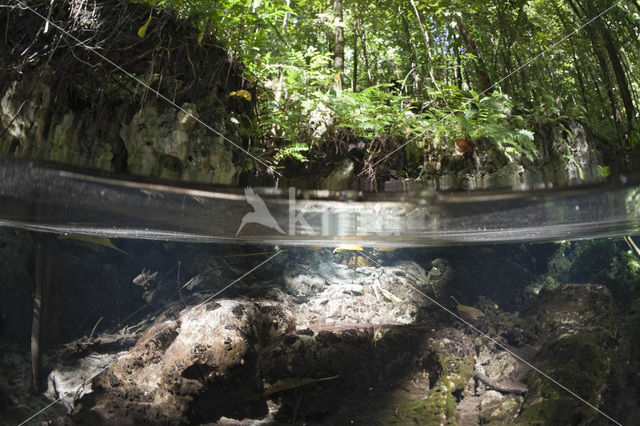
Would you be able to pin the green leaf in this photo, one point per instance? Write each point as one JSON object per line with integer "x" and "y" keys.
{"x": 292, "y": 383}
{"x": 142, "y": 31}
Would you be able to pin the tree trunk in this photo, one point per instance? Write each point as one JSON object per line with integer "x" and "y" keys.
{"x": 354, "y": 80}
{"x": 279, "y": 84}
{"x": 338, "y": 50}
{"x": 617, "y": 116}
{"x": 414, "y": 57}
{"x": 583, "y": 91}
{"x": 427, "y": 45}
{"x": 458, "y": 67}
{"x": 481, "y": 69}
{"x": 365, "y": 53}
{"x": 614, "y": 59}
{"x": 619, "y": 73}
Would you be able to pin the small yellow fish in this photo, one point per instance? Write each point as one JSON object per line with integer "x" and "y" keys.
{"x": 346, "y": 247}
{"x": 385, "y": 248}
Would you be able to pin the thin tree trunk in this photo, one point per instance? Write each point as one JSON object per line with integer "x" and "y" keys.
{"x": 414, "y": 56}
{"x": 365, "y": 53}
{"x": 338, "y": 52}
{"x": 576, "y": 62}
{"x": 621, "y": 78}
{"x": 618, "y": 72}
{"x": 634, "y": 82}
{"x": 427, "y": 45}
{"x": 617, "y": 115}
{"x": 481, "y": 69}
{"x": 354, "y": 80}
{"x": 583, "y": 91}
{"x": 459, "y": 67}
{"x": 279, "y": 85}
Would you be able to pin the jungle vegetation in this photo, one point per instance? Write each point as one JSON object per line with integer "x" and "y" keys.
{"x": 422, "y": 80}
{"x": 434, "y": 75}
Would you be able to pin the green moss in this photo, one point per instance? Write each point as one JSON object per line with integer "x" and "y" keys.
{"x": 440, "y": 405}
{"x": 559, "y": 267}
{"x": 581, "y": 363}
{"x": 518, "y": 331}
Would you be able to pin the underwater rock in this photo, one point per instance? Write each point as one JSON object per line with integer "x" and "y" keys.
{"x": 68, "y": 382}
{"x": 231, "y": 350}
{"x": 501, "y": 372}
{"x": 579, "y": 329}
{"x": 173, "y": 362}
{"x": 342, "y": 344}
{"x": 438, "y": 277}
{"x": 497, "y": 408}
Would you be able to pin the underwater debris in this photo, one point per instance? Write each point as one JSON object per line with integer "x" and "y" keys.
{"x": 358, "y": 262}
{"x": 144, "y": 278}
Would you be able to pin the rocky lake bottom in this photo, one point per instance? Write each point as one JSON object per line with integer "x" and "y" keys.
{"x": 322, "y": 336}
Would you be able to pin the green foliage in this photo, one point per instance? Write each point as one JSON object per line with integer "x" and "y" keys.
{"x": 604, "y": 171}
{"x": 488, "y": 119}
{"x": 377, "y": 111}
{"x": 491, "y": 118}
{"x": 295, "y": 151}
{"x": 418, "y": 75}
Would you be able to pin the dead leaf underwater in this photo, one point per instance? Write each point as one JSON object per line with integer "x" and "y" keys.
{"x": 358, "y": 262}
{"x": 467, "y": 312}
{"x": 91, "y": 242}
{"x": 292, "y": 383}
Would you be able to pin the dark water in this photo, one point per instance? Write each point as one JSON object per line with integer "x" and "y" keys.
{"x": 421, "y": 308}
{"x": 570, "y": 309}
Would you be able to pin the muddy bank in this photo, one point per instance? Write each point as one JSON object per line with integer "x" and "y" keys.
{"x": 60, "y": 101}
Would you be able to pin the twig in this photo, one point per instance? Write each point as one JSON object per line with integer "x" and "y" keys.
{"x": 500, "y": 387}
{"x": 93, "y": 330}
{"x": 13, "y": 119}
{"x": 179, "y": 286}
{"x": 632, "y": 245}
